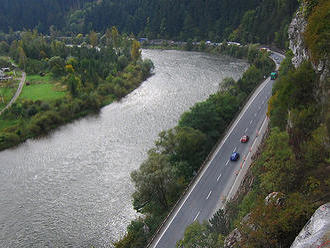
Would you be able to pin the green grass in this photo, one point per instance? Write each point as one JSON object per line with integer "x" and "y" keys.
{"x": 39, "y": 79}
{"x": 43, "y": 92}
{"x": 5, "y": 95}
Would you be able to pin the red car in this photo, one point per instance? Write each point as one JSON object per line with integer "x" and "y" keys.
{"x": 245, "y": 139}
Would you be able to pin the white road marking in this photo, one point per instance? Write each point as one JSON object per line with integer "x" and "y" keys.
{"x": 197, "y": 215}
{"x": 240, "y": 116}
{"x": 218, "y": 177}
{"x": 259, "y": 107}
{"x": 255, "y": 114}
{"x": 227, "y": 162}
{"x": 251, "y": 122}
{"x": 235, "y": 149}
{"x": 246, "y": 130}
{"x": 209, "y": 195}
{"x": 263, "y": 102}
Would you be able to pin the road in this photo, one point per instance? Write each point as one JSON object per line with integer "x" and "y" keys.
{"x": 18, "y": 92}
{"x": 220, "y": 176}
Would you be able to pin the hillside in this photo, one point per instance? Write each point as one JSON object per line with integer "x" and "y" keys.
{"x": 40, "y": 14}
{"x": 241, "y": 20}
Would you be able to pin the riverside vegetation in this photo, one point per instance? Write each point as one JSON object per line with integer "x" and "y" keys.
{"x": 293, "y": 161}
{"x": 67, "y": 82}
{"x": 179, "y": 152}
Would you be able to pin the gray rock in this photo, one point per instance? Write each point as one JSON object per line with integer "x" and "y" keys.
{"x": 316, "y": 233}
{"x": 233, "y": 239}
{"x": 297, "y": 45}
{"x": 276, "y": 198}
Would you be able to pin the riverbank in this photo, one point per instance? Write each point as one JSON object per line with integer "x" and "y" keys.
{"x": 182, "y": 157}
{"x": 77, "y": 177}
{"x": 62, "y": 88}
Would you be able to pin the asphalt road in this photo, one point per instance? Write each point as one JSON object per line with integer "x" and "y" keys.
{"x": 215, "y": 181}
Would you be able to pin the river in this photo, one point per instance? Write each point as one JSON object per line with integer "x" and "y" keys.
{"x": 72, "y": 188}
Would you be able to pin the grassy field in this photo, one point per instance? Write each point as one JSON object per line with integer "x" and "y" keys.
{"x": 39, "y": 79}
{"x": 5, "y": 95}
{"x": 43, "y": 92}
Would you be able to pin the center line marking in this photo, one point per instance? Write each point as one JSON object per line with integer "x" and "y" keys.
{"x": 218, "y": 177}
{"x": 245, "y": 130}
{"x": 251, "y": 121}
{"x": 209, "y": 195}
{"x": 196, "y": 216}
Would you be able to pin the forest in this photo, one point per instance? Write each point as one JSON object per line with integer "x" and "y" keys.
{"x": 246, "y": 21}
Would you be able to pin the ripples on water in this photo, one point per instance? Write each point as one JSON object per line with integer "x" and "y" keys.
{"x": 72, "y": 188}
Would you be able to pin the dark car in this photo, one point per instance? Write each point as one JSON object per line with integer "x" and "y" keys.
{"x": 244, "y": 139}
{"x": 234, "y": 156}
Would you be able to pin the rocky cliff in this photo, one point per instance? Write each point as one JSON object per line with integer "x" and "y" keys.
{"x": 295, "y": 32}
{"x": 316, "y": 232}
{"x": 297, "y": 45}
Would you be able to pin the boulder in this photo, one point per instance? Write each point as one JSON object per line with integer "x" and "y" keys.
{"x": 316, "y": 233}
{"x": 233, "y": 239}
{"x": 276, "y": 198}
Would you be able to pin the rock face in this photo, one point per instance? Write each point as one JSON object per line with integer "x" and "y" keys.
{"x": 297, "y": 45}
{"x": 276, "y": 198}
{"x": 316, "y": 233}
{"x": 232, "y": 239}
{"x": 301, "y": 53}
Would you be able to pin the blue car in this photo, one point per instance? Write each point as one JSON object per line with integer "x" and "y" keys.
{"x": 234, "y": 156}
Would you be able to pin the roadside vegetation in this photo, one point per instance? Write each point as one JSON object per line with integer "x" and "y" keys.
{"x": 179, "y": 152}
{"x": 293, "y": 161}
{"x": 67, "y": 82}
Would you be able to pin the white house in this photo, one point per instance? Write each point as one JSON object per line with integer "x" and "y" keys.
{"x": 2, "y": 75}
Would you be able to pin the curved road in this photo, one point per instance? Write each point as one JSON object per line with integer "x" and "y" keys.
{"x": 18, "y": 92}
{"x": 220, "y": 177}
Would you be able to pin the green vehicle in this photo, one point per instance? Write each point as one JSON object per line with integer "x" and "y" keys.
{"x": 273, "y": 75}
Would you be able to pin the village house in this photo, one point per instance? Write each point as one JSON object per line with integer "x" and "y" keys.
{"x": 3, "y": 76}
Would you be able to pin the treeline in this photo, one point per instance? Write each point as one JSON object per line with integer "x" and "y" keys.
{"x": 246, "y": 21}
{"x": 179, "y": 152}
{"x": 91, "y": 76}
{"x": 292, "y": 163}
{"x": 36, "y": 14}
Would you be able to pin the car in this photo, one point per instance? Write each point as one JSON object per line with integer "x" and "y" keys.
{"x": 234, "y": 156}
{"x": 244, "y": 139}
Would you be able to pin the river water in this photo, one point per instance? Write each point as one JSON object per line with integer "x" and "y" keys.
{"x": 72, "y": 188}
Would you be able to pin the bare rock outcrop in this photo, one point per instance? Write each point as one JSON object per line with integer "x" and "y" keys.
{"x": 233, "y": 239}
{"x": 297, "y": 44}
{"x": 316, "y": 233}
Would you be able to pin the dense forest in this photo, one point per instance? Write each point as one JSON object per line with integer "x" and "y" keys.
{"x": 40, "y": 14}
{"x": 241, "y": 20}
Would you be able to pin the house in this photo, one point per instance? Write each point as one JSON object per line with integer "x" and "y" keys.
{"x": 2, "y": 75}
